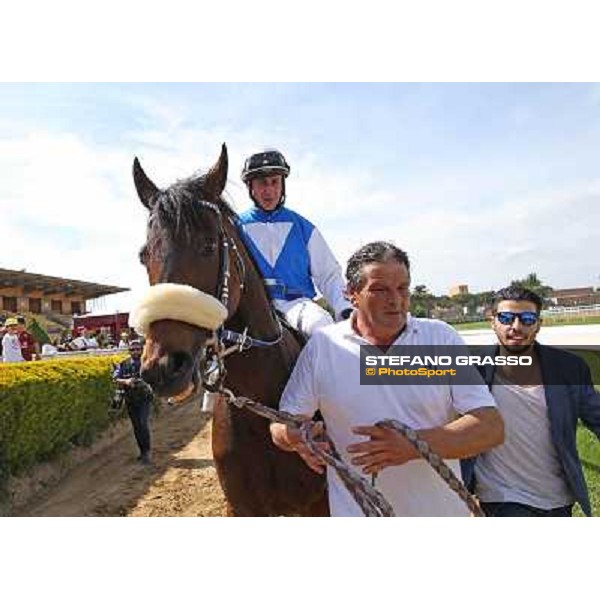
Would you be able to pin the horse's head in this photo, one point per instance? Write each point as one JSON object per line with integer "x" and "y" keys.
{"x": 188, "y": 247}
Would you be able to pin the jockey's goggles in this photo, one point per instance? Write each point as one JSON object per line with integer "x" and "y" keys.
{"x": 527, "y": 317}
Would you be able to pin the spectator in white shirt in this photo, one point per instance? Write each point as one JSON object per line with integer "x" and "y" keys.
{"x": 11, "y": 347}
{"x": 82, "y": 341}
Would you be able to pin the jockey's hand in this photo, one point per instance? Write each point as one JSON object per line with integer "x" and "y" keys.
{"x": 289, "y": 438}
{"x": 385, "y": 448}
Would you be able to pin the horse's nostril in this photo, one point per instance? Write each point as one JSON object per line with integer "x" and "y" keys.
{"x": 151, "y": 376}
{"x": 169, "y": 375}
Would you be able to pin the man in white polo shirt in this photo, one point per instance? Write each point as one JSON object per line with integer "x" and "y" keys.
{"x": 456, "y": 421}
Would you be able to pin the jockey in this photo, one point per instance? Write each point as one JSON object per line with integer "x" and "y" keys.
{"x": 289, "y": 250}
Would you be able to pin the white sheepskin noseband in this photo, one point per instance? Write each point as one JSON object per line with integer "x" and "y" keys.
{"x": 179, "y": 303}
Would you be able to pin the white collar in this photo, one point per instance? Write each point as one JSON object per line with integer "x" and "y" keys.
{"x": 412, "y": 326}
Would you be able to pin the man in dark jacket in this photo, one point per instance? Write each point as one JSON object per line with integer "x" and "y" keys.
{"x": 138, "y": 398}
{"x": 537, "y": 471}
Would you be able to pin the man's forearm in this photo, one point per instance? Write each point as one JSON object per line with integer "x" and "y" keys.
{"x": 468, "y": 435}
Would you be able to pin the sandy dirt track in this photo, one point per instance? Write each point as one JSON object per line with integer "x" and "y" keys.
{"x": 181, "y": 482}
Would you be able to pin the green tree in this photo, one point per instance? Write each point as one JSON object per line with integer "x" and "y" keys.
{"x": 533, "y": 282}
{"x": 485, "y": 299}
{"x": 421, "y": 301}
{"x": 38, "y": 332}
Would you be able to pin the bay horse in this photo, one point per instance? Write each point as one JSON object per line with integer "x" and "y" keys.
{"x": 193, "y": 240}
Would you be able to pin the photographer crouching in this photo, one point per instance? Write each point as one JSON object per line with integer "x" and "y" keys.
{"x": 138, "y": 398}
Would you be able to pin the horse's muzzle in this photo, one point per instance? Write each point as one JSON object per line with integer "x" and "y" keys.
{"x": 170, "y": 375}
{"x": 170, "y": 354}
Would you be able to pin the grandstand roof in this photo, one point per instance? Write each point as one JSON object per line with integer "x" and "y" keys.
{"x": 48, "y": 285}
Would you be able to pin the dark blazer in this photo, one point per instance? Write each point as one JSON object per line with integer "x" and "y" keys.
{"x": 570, "y": 396}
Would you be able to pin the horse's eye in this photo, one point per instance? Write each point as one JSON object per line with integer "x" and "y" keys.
{"x": 208, "y": 247}
{"x": 143, "y": 253}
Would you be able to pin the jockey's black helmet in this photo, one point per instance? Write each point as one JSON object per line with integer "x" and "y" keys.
{"x": 267, "y": 162}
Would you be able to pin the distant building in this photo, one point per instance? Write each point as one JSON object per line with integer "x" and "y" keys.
{"x": 21, "y": 292}
{"x": 111, "y": 323}
{"x": 574, "y": 296}
{"x": 457, "y": 290}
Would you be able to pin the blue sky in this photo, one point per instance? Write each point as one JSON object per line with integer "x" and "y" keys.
{"x": 480, "y": 183}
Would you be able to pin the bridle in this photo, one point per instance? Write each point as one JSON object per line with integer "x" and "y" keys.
{"x": 226, "y": 341}
{"x": 225, "y": 242}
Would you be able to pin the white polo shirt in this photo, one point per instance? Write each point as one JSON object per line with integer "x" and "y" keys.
{"x": 327, "y": 378}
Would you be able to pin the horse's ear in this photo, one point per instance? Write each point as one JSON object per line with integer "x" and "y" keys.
{"x": 145, "y": 188}
{"x": 216, "y": 178}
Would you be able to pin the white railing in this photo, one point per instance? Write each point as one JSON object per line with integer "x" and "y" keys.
{"x": 577, "y": 310}
{"x": 90, "y": 352}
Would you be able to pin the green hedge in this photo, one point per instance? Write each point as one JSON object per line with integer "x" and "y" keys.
{"x": 46, "y": 407}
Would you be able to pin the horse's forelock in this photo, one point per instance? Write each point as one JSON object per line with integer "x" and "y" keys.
{"x": 179, "y": 203}
{"x": 179, "y": 211}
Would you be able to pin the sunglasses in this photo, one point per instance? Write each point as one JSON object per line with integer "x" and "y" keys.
{"x": 527, "y": 317}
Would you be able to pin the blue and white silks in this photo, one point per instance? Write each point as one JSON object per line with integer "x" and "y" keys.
{"x": 292, "y": 256}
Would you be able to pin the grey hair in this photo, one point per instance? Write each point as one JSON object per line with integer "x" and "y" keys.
{"x": 374, "y": 252}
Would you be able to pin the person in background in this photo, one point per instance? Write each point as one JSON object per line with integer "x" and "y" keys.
{"x": 93, "y": 341}
{"x": 11, "y": 347}
{"x": 2, "y": 332}
{"x": 102, "y": 338}
{"x": 29, "y": 346}
{"x": 64, "y": 341}
{"x": 82, "y": 341}
{"x": 124, "y": 341}
{"x": 138, "y": 398}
